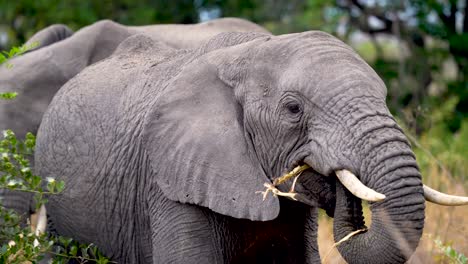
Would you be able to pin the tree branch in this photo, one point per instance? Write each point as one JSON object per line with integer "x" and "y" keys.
{"x": 361, "y": 22}
{"x": 465, "y": 19}
{"x": 376, "y": 12}
{"x": 448, "y": 20}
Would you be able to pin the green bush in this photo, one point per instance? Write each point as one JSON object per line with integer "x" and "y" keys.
{"x": 448, "y": 254}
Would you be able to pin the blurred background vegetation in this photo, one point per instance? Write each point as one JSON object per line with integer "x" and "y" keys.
{"x": 418, "y": 47}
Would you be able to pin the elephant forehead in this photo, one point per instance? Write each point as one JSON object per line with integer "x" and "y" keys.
{"x": 314, "y": 63}
{"x": 307, "y": 44}
{"x": 330, "y": 72}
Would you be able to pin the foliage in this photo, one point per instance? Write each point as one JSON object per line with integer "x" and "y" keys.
{"x": 439, "y": 151}
{"x": 5, "y": 56}
{"x": 449, "y": 149}
{"x": 281, "y": 16}
{"x": 8, "y": 96}
{"x": 16, "y": 172}
{"x": 22, "y": 249}
{"x": 447, "y": 251}
{"x": 20, "y": 19}
{"x": 431, "y": 65}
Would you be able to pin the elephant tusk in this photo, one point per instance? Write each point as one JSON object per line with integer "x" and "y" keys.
{"x": 356, "y": 187}
{"x": 437, "y": 197}
{"x": 41, "y": 220}
{"x": 41, "y": 223}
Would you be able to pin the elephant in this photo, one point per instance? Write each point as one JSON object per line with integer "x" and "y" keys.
{"x": 164, "y": 152}
{"x": 61, "y": 54}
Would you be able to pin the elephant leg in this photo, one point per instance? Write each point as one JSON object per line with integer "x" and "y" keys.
{"x": 181, "y": 233}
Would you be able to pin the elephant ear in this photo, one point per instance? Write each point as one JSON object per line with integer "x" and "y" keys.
{"x": 194, "y": 137}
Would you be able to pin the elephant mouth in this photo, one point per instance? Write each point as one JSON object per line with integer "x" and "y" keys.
{"x": 314, "y": 189}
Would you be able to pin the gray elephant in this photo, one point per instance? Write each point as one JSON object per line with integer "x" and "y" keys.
{"x": 60, "y": 55}
{"x": 164, "y": 152}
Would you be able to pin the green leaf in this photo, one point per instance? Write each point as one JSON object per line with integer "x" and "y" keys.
{"x": 2, "y": 58}
{"x": 65, "y": 241}
{"x": 60, "y": 185}
{"x": 73, "y": 250}
{"x": 8, "y": 96}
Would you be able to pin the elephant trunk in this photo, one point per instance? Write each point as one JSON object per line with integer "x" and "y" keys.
{"x": 387, "y": 165}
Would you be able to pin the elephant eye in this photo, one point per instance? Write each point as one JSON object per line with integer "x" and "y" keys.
{"x": 294, "y": 108}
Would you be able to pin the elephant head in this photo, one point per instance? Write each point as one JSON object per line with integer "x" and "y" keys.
{"x": 245, "y": 114}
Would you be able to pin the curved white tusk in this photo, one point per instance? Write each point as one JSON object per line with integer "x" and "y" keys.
{"x": 41, "y": 220}
{"x": 41, "y": 223}
{"x": 356, "y": 187}
{"x": 437, "y": 197}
